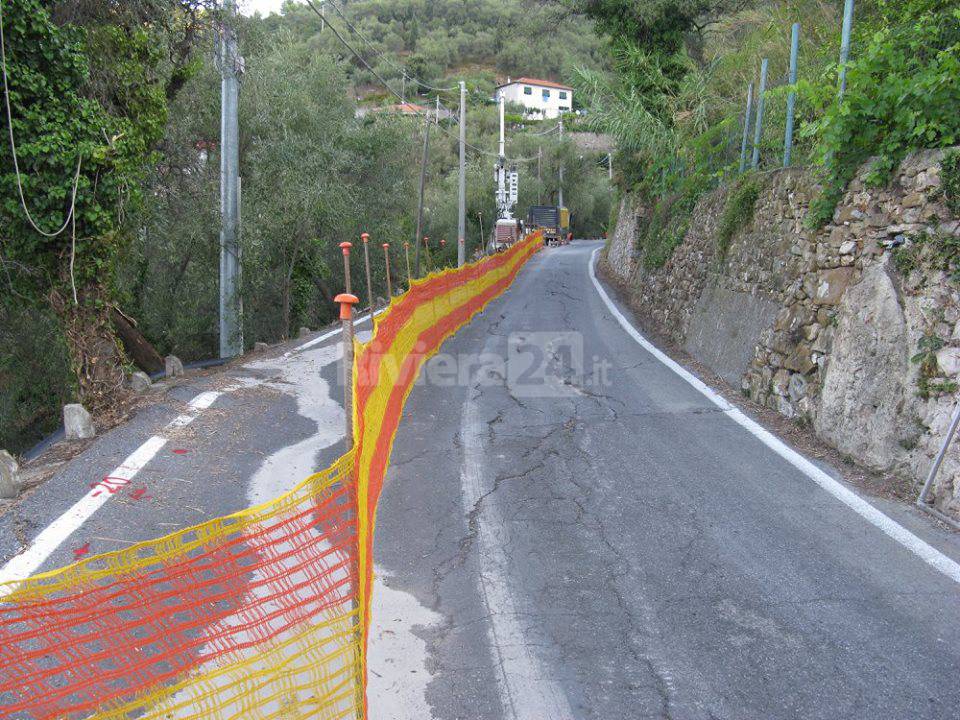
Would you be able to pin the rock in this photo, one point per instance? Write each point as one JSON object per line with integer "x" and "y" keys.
{"x": 304, "y": 331}
{"x": 800, "y": 360}
{"x": 9, "y": 476}
{"x": 140, "y": 382}
{"x": 797, "y": 388}
{"x": 77, "y": 423}
{"x": 781, "y": 381}
{"x": 867, "y": 384}
{"x": 848, "y": 248}
{"x": 260, "y": 347}
{"x": 831, "y": 285}
{"x": 174, "y": 366}
{"x": 948, "y": 360}
{"x": 913, "y": 200}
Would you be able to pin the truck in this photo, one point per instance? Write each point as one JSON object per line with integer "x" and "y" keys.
{"x": 553, "y": 220}
{"x": 547, "y": 219}
{"x": 506, "y": 234}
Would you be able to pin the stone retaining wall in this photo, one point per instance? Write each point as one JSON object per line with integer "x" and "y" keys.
{"x": 823, "y": 325}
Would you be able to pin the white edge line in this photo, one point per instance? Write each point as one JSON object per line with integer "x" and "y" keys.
{"x": 868, "y": 512}
{"x": 28, "y": 560}
{"x": 330, "y": 333}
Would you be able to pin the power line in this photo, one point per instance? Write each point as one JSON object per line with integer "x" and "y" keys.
{"x": 396, "y": 94}
{"x": 403, "y": 71}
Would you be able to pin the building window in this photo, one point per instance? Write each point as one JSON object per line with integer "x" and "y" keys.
{"x": 528, "y": 91}
{"x": 546, "y": 94}
{"x": 563, "y": 95}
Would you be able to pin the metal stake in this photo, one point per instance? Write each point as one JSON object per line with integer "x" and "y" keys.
{"x": 406, "y": 252}
{"x": 746, "y": 129}
{"x": 347, "y": 301}
{"x": 366, "y": 258}
{"x": 345, "y": 246}
{"x": 938, "y": 461}
{"x": 792, "y": 97}
{"x": 386, "y": 255}
{"x": 845, "y": 44}
{"x": 758, "y": 130}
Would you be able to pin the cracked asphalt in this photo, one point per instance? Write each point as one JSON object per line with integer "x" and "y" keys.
{"x": 598, "y": 540}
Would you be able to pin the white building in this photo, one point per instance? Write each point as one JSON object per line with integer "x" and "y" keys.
{"x": 544, "y": 98}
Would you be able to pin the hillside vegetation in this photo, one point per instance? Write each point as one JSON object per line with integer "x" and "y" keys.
{"x": 131, "y": 91}
{"x": 675, "y": 100}
{"x": 434, "y": 40}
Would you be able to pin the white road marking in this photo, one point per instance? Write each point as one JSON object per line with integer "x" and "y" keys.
{"x": 868, "y": 512}
{"x": 527, "y": 691}
{"x": 29, "y": 559}
{"x": 43, "y": 546}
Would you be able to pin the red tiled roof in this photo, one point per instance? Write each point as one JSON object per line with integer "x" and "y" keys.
{"x": 534, "y": 81}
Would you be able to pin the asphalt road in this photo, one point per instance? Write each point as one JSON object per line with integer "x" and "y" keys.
{"x": 563, "y": 534}
{"x": 608, "y": 543}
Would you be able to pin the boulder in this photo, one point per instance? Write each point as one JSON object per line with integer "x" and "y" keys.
{"x": 174, "y": 366}
{"x": 77, "y": 423}
{"x": 9, "y": 476}
{"x": 260, "y": 347}
{"x": 948, "y": 360}
{"x": 867, "y": 382}
{"x": 140, "y": 382}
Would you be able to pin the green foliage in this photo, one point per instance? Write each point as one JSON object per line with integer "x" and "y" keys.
{"x": 931, "y": 383}
{"x": 670, "y": 219}
{"x": 434, "y": 39}
{"x": 950, "y": 177}
{"x": 35, "y": 379}
{"x": 938, "y": 252}
{"x": 738, "y": 211}
{"x": 903, "y": 90}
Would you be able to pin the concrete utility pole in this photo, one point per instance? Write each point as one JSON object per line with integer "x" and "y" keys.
{"x": 610, "y": 166}
{"x": 231, "y": 302}
{"x": 462, "y": 202}
{"x": 423, "y": 180}
{"x": 560, "y": 194}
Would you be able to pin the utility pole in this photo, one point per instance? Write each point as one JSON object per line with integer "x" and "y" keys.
{"x": 610, "y": 166}
{"x": 423, "y": 180}
{"x": 540, "y": 175}
{"x": 560, "y": 194}
{"x": 231, "y": 302}
{"x": 500, "y": 170}
{"x": 462, "y": 201}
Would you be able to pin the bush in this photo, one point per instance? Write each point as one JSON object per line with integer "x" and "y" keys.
{"x": 903, "y": 92}
{"x": 738, "y": 211}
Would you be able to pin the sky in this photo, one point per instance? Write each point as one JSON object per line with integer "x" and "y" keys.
{"x": 265, "y": 7}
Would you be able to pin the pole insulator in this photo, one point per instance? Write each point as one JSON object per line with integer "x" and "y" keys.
{"x": 347, "y": 301}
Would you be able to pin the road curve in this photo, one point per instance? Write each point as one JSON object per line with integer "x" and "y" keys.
{"x": 606, "y": 542}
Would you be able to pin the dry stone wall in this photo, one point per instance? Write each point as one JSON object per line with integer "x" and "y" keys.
{"x": 854, "y": 327}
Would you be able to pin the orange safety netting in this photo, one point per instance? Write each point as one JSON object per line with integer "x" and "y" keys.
{"x": 259, "y": 614}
